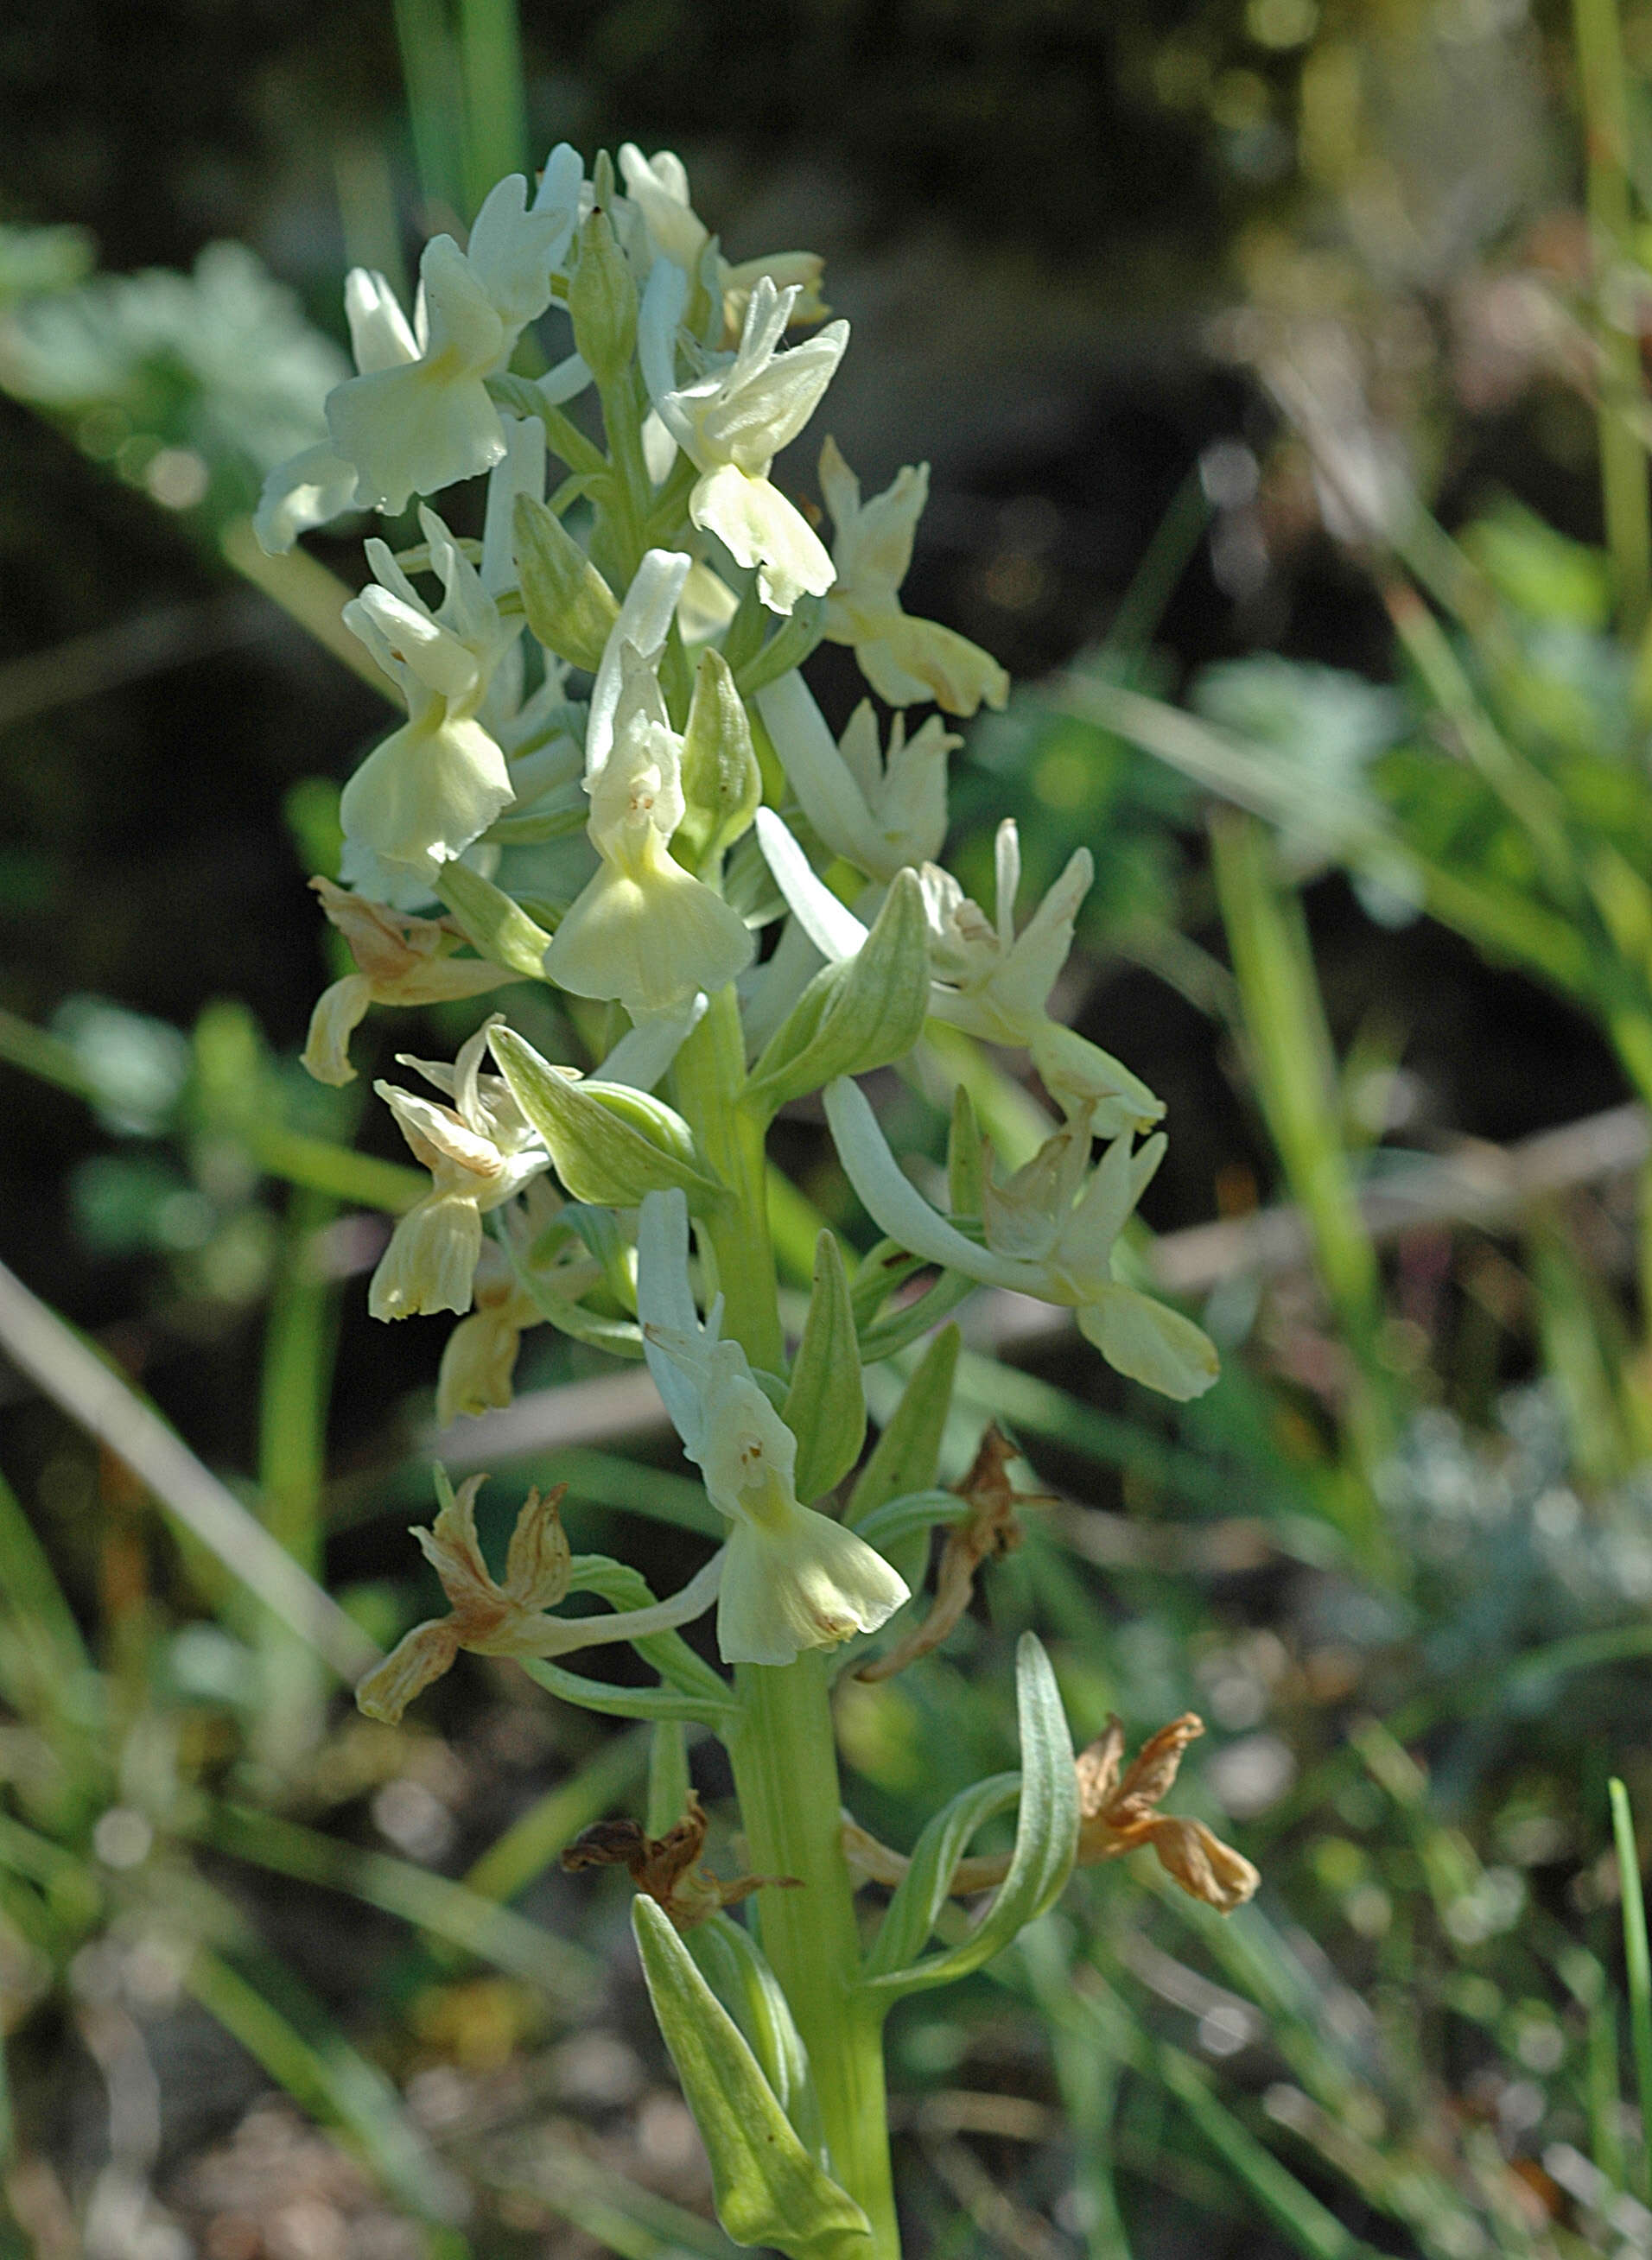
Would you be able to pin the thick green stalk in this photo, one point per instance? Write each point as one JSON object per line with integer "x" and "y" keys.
{"x": 786, "y": 1773}
{"x": 785, "y": 1752}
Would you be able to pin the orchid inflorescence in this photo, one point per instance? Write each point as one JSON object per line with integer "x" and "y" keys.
{"x": 756, "y": 914}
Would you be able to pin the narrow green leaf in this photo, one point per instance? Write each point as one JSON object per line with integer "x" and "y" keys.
{"x": 31, "y": 1590}
{"x": 1045, "y": 1838}
{"x": 613, "y": 1702}
{"x": 826, "y": 1405}
{"x": 898, "y": 1520}
{"x": 495, "y": 926}
{"x": 671, "y": 1655}
{"x": 910, "y": 1922}
{"x": 1311, "y": 2226}
{"x": 304, "y": 2052}
{"x": 1638, "y": 1966}
{"x": 905, "y": 1455}
{"x": 452, "y": 1912}
{"x": 768, "y": 2188}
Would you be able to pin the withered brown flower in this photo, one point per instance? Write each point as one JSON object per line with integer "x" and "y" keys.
{"x": 1118, "y": 1812}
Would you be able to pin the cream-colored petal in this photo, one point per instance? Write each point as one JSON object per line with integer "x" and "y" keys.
{"x": 650, "y": 943}
{"x": 421, "y": 797}
{"x": 431, "y": 1261}
{"x": 339, "y": 1012}
{"x": 807, "y": 1584}
{"x": 307, "y": 490}
{"x": 761, "y": 527}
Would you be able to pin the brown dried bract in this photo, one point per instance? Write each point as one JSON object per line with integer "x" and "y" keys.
{"x": 987, "y": 1533}
{"x": 667, "y": 1867}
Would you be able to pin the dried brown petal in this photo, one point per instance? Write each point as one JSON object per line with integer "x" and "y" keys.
{"x": 1098, "y": 1770}
{"x": 538, "y": 1565}
{"x": 1152, "y": 1772}
{"x": 1204, "y": 1867}
{"x": 426, "y": 1652}
{"x": 386, "y": 944}
{"x": 453, "y": 1551}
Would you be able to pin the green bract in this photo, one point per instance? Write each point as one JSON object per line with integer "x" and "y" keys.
{"x": 608, "y": 1144}
{"x": 767, "y": 2187}
{"x": 569, "y": 606}
{"x": 855, "y": 1016}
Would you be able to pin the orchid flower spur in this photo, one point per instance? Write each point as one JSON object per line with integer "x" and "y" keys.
{"x": 879, "y": 812}
{"x": 905, "y": 660}
{"x": 400, "y": 960}
{"x": 733, "y": 421}
{"x": 435, "y": 785}
{"x": 1049, "y": 1232}
{"x": 481, "y": 1152}
{"x": 793, "y": 1578}
{"x": 507, "y": 1616}
{"x": 644, "y": 931}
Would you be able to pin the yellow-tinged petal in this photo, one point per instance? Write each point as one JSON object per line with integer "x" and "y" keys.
{"x": 426, "y": 1652}
{"x": 339, "y": 1012}
{"x": 797, "y": 1581}
{"x": 431, "y": 1261}
{"x": 651, "y": 936}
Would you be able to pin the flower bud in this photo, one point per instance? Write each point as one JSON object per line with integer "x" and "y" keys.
{"x": 602, "y": 300}
{"x": 569, "y": 606}
{"x": 857, "y": 1015}
{"x": 610, "y": 1145}
{"x": 722, "y": 783}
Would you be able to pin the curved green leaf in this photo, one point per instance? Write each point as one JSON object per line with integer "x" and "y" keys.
{"x": 909, "y": 1925}
{"x": 1046, "y": 1841}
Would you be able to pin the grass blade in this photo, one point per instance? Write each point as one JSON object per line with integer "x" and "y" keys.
{"x": 1638, "y": 1966}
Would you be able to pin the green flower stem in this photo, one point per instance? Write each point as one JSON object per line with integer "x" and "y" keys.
{"x": 783, "y": 1751}
{"x": 708, "y": 1078}
{"x": 786, "y": 1773}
